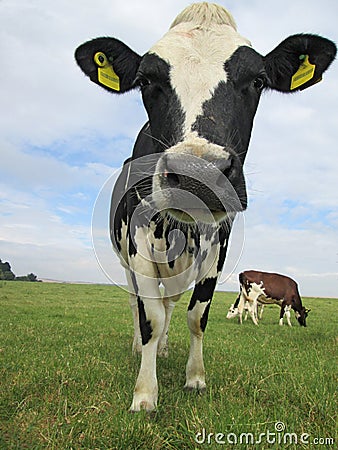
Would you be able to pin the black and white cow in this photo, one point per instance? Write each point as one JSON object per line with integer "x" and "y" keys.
{"x": 268, "y": 288}
{"x": 176, "y": 199}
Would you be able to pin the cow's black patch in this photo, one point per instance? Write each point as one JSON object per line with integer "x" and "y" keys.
{"x": 204, "y": 318}
{"x": 176, "y": 243}
{"x": 145, "y": 325}
{"x": 203, "y": 292}
{"x": 161, "y": 102}
{"x": 227, "y": 117}
{"x": 204, "y": 254}
{"x": 237, "y": 301}
{"x": 199, "y": 258}
{"x": 209, "y": 233}
{"x": 132, "y": 249}
{"x": 118, "y": 208}
{"x": 223, "y": 236}
{"x": 196, "y": 237}
{"x": 133, "y": 279}
{"x": 158, "y": 233}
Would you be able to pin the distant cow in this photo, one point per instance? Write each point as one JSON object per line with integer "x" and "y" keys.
{"x": 268, "y": 288}
{"x": 247, "y": 309}
{"x": 175, "y": 201}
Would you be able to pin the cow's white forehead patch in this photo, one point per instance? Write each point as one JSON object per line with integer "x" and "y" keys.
{"x": 196, "y": 55}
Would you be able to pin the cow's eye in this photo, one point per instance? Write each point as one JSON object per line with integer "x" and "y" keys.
{"x": 260, "y": 83}
{"x": 141, "y": 81}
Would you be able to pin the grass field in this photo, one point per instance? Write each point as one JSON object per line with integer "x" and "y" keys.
{"x": 67, "y": 376}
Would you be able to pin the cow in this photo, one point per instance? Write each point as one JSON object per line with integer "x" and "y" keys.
{"x": 177, "y": 196}
{"x": 267, "y": 289}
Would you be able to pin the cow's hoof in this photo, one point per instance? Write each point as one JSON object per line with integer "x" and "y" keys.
{"x": 163, "y": 347}
{"x": 143, "y": 402}
{"x": 163, "y": 352}
{"x": 196, "y": 385}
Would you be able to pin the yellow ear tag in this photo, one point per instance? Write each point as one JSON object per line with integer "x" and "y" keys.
{"x": 304, "y": 73}
{"x": 105, "y": 72}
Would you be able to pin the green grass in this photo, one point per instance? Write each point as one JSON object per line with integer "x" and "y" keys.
{"x": 67, "y": 374}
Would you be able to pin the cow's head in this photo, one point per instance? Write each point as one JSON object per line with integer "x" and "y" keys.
{"x": 201, "y": 84}
{"x": 232, "y": 312}
{"x": 302, "y": 315}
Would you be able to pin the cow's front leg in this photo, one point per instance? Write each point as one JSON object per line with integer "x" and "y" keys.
{"x": 287, "y": 314}
{"x": 253, "y": 311}
{"x": 281, "y": 315}
{"x": 261, "y": 309}
{"x": 152, "y": 319}
{"x": 246, "y": 309}
{"x": 241, "y": 305}
{"x": 198, "y": 311}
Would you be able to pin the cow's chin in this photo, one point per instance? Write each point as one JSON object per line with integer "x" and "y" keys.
{"x": 197, "y": 215}
{"x": 188, "y": 207}
{"x": 186, "y": 211}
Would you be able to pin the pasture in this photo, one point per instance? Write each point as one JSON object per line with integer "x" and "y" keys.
{"x": 67, "y": 375}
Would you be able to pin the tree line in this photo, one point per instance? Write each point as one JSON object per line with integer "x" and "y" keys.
{"x": 6, "y": 273}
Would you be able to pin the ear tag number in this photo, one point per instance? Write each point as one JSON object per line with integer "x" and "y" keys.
{"x": 304, "y": 73}
{"x": 105, "y": 72}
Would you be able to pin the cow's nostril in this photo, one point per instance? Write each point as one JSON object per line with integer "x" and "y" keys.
{"x": 172, "y": 179}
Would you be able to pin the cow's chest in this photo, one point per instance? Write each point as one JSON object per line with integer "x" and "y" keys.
{"x": 178, "y": 254}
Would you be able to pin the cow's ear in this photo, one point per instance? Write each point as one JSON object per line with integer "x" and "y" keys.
{"x": 298, "y": 62}
{"x": 109, "y": 63}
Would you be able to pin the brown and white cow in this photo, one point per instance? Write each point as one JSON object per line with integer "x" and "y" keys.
{"x": 177, "y": 196}
{"x": 266, "y": 288}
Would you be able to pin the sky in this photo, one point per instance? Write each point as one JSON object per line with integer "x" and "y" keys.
{"x": 63, "y": 141}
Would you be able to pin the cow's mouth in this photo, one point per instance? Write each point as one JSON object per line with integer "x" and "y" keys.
{"x": 189, "y": 216}
{"x": 195, "y": 189}
{"x": 194, "y": 215}
{"x": 196, "y": 201}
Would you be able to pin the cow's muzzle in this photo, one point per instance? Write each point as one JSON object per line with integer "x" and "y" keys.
{"x": 195, "y": 183}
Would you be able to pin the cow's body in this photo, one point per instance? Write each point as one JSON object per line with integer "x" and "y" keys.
{"x": 268, "y": 289}
{"x": 175, "y": 201}
{"x": 162, "y": 250}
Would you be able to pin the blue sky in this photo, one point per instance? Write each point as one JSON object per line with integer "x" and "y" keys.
{"x": 62, "y": 139}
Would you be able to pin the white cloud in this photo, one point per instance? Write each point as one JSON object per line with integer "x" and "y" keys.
{"x": 307, "y": 255}
{"x": 35, "y": 238}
